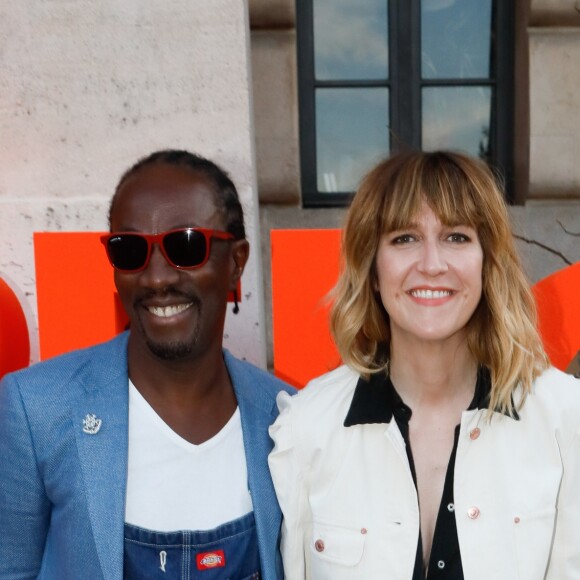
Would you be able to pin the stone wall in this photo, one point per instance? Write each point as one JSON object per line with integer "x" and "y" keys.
{"x": 547, "y": 221}
{"x": 87, "y": 88}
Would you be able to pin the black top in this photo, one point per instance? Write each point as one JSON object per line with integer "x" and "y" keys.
{"x": 377, "y": 401}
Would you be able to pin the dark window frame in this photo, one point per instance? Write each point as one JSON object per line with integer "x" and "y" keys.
{"x": 405, "y": 85}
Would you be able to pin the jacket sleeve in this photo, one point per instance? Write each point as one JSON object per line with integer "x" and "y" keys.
{"x": 24, "y": 507}
{"x": 288, "y": 475}
{"x": 565, "y": 558}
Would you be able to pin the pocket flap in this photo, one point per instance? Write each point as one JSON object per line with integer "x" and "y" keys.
{"x": 337, "y": 544}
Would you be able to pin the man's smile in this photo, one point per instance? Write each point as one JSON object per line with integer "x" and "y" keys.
{"x": 167, "y": 311}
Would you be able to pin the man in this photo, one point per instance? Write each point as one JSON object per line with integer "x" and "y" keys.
{"x": 146, "y": 457}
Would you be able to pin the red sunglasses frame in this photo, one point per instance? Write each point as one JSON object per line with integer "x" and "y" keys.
{"x": 157, "y": 239}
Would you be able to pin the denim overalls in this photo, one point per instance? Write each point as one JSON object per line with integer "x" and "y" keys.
{"x": 229, "y": 551}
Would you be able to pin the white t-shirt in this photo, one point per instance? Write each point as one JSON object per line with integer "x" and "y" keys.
{"x": 175, "y": 485}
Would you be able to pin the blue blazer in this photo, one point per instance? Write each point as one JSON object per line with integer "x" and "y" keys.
{"x": 62, "y": 490}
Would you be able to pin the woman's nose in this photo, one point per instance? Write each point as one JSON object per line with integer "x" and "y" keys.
{"x": 432, "y": 260}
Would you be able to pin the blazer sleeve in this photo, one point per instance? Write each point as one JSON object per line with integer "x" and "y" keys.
{"x": 565, "y": 558}
{"x": 288, "y": 474}
{"x": 24, "y": 506}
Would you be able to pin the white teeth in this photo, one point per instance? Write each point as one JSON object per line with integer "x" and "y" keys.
{"x": 430, "y": 294}
{"x": 166, "y": 311}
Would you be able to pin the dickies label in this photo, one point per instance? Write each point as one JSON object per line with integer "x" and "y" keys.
{"x": 210, "y": 560}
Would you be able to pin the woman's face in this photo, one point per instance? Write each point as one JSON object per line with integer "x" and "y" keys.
{"x": 429, "y": 279}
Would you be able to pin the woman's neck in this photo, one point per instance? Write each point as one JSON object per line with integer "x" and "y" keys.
{"x": 433, "y": 375}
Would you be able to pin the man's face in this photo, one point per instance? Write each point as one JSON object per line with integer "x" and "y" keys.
{"x": 175, "y": 314}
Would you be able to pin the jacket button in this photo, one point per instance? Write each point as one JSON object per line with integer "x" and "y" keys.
{"x": 474, "y": 433}
{"x": 319, "y": 545}
{"x": 473, "y": 513}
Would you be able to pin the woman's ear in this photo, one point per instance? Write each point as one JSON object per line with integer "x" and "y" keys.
{"x": 374, "y": 279}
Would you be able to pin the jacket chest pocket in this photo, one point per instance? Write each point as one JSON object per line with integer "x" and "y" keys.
{"x": 533, "y": 535}
{"x": 336, "y": 552}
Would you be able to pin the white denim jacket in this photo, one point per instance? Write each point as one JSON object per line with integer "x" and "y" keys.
{"x": 350, "y": 505}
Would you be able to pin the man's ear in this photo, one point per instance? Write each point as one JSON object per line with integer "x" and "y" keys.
{"x": 240, "y": 254}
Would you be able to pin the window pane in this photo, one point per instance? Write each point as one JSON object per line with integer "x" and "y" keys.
{"x": 350, "y": 39}
{"x": 456, "y": 38}
{"x": 352, "y": 134}
{"x": 457, "y": 118}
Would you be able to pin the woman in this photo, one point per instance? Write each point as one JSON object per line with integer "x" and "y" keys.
{"x": 446, "y": 447}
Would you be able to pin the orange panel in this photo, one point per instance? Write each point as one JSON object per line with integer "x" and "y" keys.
{"x": 77, "y": 302}
{"x": 14, "y": 337}
{"x": 558, "y": 299}
{"x": 305, "y": 266}
{"x": 78, "y": 306}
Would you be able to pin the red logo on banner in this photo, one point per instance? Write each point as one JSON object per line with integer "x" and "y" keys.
{"x": 209, "y": 560}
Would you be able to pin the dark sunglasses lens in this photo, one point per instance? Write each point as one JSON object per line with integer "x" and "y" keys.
{"x": 127, "y": 252}
{"x": 186, "y": 248}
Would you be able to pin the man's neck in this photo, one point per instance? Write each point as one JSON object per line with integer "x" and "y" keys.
{"x": 195, "y": 397}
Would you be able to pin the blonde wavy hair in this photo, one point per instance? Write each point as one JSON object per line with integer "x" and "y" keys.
{"x": 502, "y": 332}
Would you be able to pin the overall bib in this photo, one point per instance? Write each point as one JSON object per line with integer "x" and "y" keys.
{"x": 229, "y": 551}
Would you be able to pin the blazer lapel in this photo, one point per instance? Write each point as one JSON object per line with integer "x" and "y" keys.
{"x": 257, "y": 413}
{"x": 100, "y": 417}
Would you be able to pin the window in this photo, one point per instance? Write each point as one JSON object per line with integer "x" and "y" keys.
{"x": 377, "y": 76}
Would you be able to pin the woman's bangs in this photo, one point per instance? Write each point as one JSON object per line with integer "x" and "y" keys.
{"x": 454, "y": 206}
{"x": 401, "y": 207}
{"x": 453, "y": 203}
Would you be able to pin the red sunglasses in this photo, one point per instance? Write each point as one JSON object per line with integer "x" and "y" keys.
{"x": 185, "y": 249}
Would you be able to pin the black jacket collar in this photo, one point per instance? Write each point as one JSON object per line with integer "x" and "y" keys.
{"x": 375, "y": 399}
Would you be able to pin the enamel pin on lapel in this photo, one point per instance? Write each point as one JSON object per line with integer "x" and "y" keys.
{"x": 91, "y": 424}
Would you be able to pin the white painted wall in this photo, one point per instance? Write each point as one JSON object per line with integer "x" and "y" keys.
{"x": 86, "y": 88}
